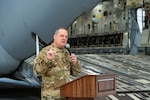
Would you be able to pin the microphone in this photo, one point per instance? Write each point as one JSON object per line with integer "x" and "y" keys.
{"x": 68, "y": 48}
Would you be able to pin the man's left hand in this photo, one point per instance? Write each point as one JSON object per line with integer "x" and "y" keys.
{"x": 73, "y": 58}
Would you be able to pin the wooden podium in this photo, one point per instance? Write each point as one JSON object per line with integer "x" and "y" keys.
{"x": 89, "y": 87}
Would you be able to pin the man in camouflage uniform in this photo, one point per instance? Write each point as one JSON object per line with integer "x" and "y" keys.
{"x": 54, "y": 64}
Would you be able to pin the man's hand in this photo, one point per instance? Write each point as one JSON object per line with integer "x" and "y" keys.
{"x": 73, "y": 58}
{"x": 51, "y": 54}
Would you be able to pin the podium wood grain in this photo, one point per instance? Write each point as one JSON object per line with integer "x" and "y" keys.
{"x": 89, "y": 86}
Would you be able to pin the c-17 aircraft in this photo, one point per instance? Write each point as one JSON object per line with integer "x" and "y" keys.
{"x": 21, "y": 19}
{"x": 95, "y": 26}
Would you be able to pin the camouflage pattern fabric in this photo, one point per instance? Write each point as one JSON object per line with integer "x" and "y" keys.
{"x": 54, "y": 72}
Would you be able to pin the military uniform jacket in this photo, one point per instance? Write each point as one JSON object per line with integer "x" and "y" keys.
{"x": 54, "y": 72}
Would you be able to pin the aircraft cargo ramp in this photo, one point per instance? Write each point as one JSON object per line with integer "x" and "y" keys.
{"x": 132, "y": 74}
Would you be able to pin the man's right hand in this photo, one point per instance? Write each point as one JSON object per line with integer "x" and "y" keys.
{"x": 51, "y": 54}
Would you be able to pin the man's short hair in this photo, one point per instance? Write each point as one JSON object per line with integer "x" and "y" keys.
{"x": 59, "y": 29}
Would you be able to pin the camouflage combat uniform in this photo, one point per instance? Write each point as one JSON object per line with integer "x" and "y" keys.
{"x": 55, "y": 72}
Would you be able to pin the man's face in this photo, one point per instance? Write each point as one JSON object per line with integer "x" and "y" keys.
{"x": 60, "y": 38}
